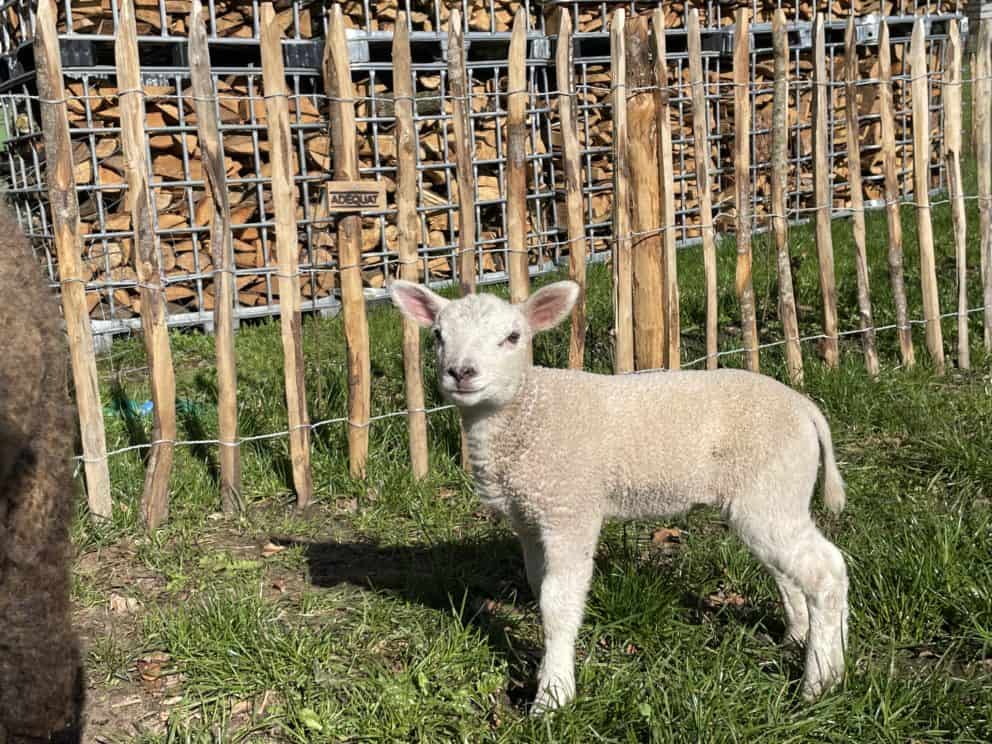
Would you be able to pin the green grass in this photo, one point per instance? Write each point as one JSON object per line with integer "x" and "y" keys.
{"x": 397, "y": 611}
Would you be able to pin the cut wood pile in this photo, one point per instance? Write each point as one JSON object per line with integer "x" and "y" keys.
{"x": 184, "y": 211}
{"x": 595, "y": 97}
{"x": 594, "y": 16}
{"x": 304, "y": 18}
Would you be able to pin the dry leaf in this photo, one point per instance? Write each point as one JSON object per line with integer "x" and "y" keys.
{"x": 270, "y": 549}
{"x": 347, "y": 505}
{"x": 721, "y": 598}
{"x": 119, "y": 604}
{"x": 156, "y": 671}
{"x": 664, "y": 535}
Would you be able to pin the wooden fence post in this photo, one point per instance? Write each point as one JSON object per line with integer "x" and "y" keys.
{"x": 69, "y": 247}
{"x": 972, "y": 68}
{"x": 341, "y": 92}
{"x": 147, "y": 266}
{"x": 823, "y": 194}
{"x": 857, "y": 198}
{"x": 284, "y": 206}
{"x": 622, "y": 255}
{"x": 704, "y": 187}
{"x": 459, "y": 87}
{"x": 955, "y": 184}
{"x": 647, "y": 260}
{"x": 571, "y": 153}
{"x": 742, "y": 184}
{"x": 982, "y": 88}
{"x": 222, "y": 250}
{"x": 516, "y": 160}
{"x": 889, "y": 165}
{"x": 670, "y": 274}
{"x": 409, "y": 233}
{"x": 921, "y": 188}
{"x": 779, "y": 183}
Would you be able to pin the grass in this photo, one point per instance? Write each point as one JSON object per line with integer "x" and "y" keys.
{"x": 398, "y": 611}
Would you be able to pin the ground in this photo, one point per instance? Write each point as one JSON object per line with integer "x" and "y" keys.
{"x": 393, "y": 610}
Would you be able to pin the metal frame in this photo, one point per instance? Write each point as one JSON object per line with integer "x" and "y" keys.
{"x": 86, "y": 60}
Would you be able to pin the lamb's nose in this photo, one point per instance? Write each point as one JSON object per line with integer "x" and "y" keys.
{"x": 461, "y": 374}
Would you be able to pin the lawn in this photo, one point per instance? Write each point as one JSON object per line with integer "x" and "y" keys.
{"x": 393, "y": 610}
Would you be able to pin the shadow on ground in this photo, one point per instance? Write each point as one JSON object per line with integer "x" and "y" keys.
{"x": 482, "y": 581}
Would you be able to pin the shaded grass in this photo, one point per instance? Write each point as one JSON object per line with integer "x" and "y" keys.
{"x": 397, "y": 611}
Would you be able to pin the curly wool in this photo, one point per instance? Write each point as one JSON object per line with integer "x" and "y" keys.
{"x": 40, "y": 678}
{"x": 690, "y": 447}
{"x": 559, "y": 452}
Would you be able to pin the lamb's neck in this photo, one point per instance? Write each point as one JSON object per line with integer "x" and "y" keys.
{"x": 484, "y": 428}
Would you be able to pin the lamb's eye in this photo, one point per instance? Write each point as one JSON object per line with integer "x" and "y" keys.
{"x": 511, "y": 339}
{"x": 437, "y": 335}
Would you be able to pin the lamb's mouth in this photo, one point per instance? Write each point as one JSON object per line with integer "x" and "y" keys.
{"x": 466, "y": 391}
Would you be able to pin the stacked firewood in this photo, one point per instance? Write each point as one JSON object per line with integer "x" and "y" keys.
{"x": 303, "y": 18}
{"x": 594, "y": 97}
{"x": 184, "y": 210}
{"x": 594, "y": 16}
{"x": 299, "y": 18}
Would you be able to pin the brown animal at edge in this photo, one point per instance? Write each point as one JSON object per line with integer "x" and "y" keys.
{"x": 40, "y": 671}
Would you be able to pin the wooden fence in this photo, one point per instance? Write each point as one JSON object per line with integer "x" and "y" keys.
{"x": 646, "y": 312}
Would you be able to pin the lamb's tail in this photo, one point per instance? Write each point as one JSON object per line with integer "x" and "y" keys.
{"x": 833, "y": 484}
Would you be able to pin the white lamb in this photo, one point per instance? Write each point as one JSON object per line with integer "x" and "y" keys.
{"x": 558, "y": 451}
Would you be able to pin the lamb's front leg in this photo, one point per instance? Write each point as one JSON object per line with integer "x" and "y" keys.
{"x": 530, "y": 543}
{"x": 568, "y": 562}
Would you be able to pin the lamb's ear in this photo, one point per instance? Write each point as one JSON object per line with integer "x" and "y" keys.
{"x": 550, "y": 305}
{"x": 416, "y": 301}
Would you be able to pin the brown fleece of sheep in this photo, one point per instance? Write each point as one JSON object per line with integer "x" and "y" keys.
{"x": 40, "y": 678}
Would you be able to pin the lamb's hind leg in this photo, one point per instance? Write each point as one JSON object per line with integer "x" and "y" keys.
{"x": 794, "y": 601}
{"x": 823, "y": 575}
{"x": 792, "y": 546}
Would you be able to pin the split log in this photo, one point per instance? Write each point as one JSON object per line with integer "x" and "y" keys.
{"x": 155, "y": 497}
{"x": 337, "y": 81}
{"x": 409, "y": 235}
{"x": 283, "y": 197}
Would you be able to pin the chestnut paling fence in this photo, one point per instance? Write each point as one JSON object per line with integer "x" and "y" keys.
{"x": 665, "y": 190}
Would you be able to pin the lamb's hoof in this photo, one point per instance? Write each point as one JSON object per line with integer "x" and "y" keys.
{"x": 551, "y": 697}
{"x": 813, "y": 690}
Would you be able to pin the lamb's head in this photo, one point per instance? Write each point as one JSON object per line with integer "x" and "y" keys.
{"x": 481, "y": 340}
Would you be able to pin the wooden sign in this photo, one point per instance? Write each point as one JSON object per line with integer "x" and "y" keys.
{"x": 356, "y": 196}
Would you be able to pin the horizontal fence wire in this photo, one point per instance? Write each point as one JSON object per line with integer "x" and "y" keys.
{"x": 394, "y": 414}
{"x": 544, "y": 241}
{"x": 762, "y": 88}
{"x": 835, "y": 212}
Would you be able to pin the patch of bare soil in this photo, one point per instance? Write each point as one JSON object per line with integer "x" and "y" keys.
{"x": 132, "y": 690}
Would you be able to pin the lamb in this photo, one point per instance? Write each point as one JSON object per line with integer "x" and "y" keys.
{"x": 40, "y": 678}
{"x": 559, "y": 451}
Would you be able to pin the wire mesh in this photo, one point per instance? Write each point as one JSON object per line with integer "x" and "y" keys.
{"x": 183, "y": 209}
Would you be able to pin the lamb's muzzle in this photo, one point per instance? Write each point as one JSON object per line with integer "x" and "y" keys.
{"x": 558, "y": 451}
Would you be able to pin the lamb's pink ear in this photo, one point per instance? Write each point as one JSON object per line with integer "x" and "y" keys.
{"x": 416, "y": 301}
{"x": 550, "y": 305}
